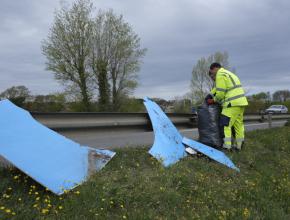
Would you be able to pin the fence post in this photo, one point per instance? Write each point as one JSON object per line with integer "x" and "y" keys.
{"x": 270, "y": 120}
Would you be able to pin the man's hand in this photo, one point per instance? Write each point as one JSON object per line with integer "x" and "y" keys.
{"x": 209, "y": 96}
{"x": 210, "y": 101}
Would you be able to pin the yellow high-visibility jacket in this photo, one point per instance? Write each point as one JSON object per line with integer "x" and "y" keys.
{"x": 228, "y": 90}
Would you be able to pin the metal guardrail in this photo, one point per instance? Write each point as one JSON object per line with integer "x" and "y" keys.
{"x": 80, "y": 121}
{"x": 115, "y": 121}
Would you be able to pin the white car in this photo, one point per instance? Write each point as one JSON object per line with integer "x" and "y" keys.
{"x": 277, "y": 109}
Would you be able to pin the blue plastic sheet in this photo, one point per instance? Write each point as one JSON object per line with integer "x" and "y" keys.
{"x": 51, "y": 159}
{"x": 167, "y": 147}
{"x": 210, "y": 152}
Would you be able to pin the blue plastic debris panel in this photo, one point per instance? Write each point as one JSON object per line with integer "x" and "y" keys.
{"x": 49, "y": 158}
{"x": 167, "y": 147}
{"x": 210, "y": 152}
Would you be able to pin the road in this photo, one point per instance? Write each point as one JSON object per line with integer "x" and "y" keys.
{"x": 113, "y": 139}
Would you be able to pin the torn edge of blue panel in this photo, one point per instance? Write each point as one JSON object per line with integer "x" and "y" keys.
{"x": 212, "y": 153}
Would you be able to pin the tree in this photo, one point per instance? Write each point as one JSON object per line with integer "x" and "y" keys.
{"x": 281, "y": 95}
{"x": 68, "y": 48}
{"x": 48, "y": 103}
{"x": 16, "y": 94}
{"x": 88, "y": 53}
{"x": 220, "y": 57}
{"x": 132, "y": 105}
{"x": 201, "y": 83}
{"x": 116, "y": 58}
{"x": 260, "y": 96}
{"x": 181, "y": 105}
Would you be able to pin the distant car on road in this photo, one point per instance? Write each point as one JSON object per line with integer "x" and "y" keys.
{"x": 276, "y": 109}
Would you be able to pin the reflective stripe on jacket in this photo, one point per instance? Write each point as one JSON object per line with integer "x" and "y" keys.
{"x": 228, "y": 89}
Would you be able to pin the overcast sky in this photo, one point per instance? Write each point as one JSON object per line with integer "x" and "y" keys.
{"x": 256, "y": 34}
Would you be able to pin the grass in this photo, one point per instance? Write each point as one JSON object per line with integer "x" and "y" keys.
{"x": 135, "y": 186}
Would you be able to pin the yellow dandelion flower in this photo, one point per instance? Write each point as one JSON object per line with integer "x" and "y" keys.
{"x": 111, "y": 202}
{"x": 77, "y": 192}
{"x": 246, "y": 212}
{"x": 8, "y": 211}
{"x": 13, "y": 213}
{"x": 35, "y": 205}
{"x": 9, "y": 188}
{"x": 19, "y": 199}
{"x": 36, "y": 193}
{"x": 37, "y": 198}
{"x": 44, "y": 211}
{"x": 2, "y": 207}
{"x": 124, "y": 217}
{"x": 60, "y": 207}
{"x": 121, "y": 206}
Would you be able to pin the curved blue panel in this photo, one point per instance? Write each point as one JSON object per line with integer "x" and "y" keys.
{"x": 51, "y": 159}
{"x": 167, "y": 147}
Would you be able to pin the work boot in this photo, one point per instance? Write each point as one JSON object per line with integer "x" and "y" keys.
{"x": 228, "y": 147}
{"x": 234, "y": 143}
{"x": 240, "y": 145}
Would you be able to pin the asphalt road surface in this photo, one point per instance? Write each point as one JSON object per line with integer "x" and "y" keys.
{"x": 117, "y": 139}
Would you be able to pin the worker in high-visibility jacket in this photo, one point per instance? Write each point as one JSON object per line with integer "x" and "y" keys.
{"x": 229, "y": 92}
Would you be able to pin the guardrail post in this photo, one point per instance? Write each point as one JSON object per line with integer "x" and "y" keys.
{"x": 262, "y": 119}
{"x": 270, "y": 120}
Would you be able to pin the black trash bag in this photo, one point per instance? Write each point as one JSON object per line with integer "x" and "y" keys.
{"x": 210, "y": 132}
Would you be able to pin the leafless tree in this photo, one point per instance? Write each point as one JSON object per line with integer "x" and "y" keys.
{"x": 201, "y": 83}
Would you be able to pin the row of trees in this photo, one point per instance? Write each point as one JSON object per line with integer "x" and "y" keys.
{"x": 63, "y": 102}
{"x": 60, "y": 102}
{"x": 260, "y": 101}
{"x": 93, "y": 54}
{"x": 278, "y": 96}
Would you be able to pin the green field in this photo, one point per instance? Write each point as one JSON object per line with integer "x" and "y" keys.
{"x": 135, "y": 186}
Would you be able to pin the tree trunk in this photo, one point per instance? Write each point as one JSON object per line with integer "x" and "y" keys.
{"x": 114, "y": 91}
{"x": 104, "y": 88}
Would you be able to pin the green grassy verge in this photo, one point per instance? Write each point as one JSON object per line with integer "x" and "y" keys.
{"x": 135, "y": 186}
